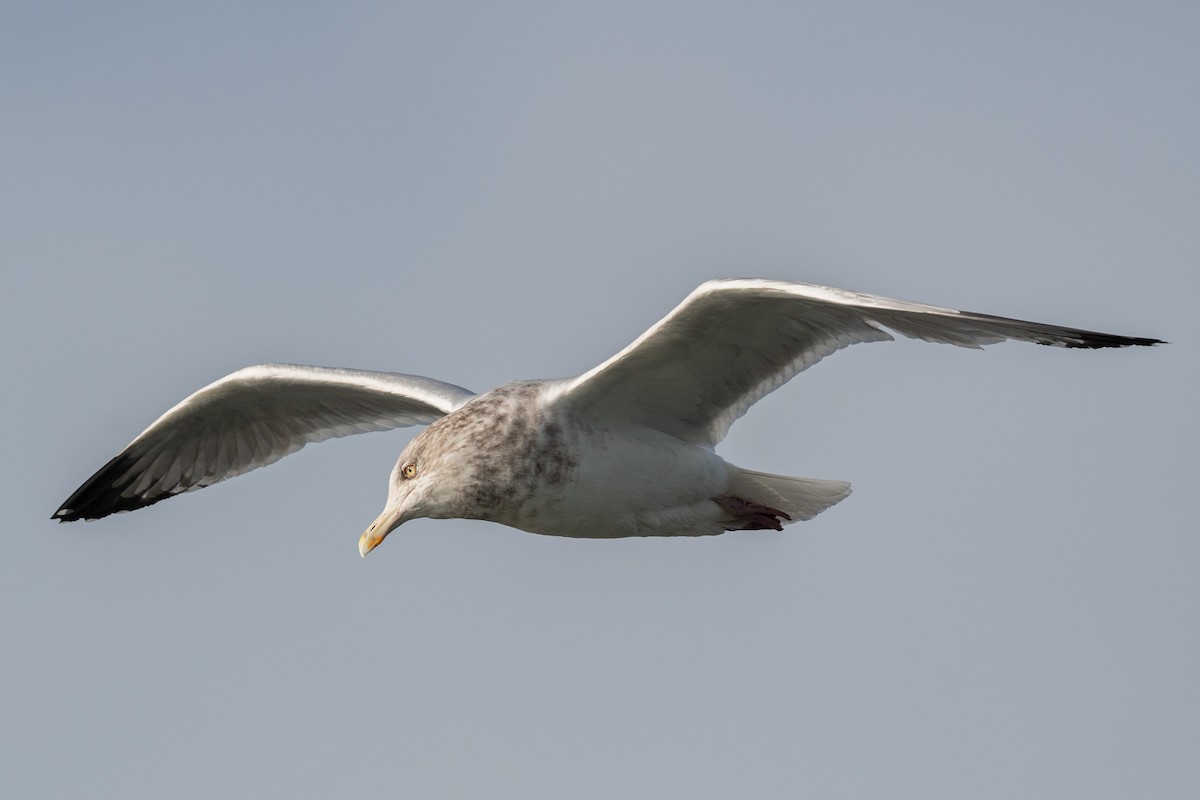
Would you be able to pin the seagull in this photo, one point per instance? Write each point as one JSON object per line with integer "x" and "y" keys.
{"x": 625, "y": 449}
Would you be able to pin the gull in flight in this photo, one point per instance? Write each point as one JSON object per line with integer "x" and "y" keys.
{"x": 626, "y": 449}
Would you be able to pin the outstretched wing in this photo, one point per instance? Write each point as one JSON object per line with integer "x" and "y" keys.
{"x": 731, "y": 342}
{"x": 252, "y": 418}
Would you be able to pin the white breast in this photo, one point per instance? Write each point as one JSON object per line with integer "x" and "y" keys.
{"x": 629, "y": 482}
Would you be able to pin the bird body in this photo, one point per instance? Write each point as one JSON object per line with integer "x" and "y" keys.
{"x": 625, "y": 449}
{"x": 546, "y": 468}
{"x": 520, "y": 459}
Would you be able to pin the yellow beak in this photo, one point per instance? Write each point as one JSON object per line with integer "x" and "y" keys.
{"x": 384, "y": 524}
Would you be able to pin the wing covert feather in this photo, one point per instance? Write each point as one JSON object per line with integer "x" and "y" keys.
{"x": 252, "y": 418}
{"x": 733, "y": 341}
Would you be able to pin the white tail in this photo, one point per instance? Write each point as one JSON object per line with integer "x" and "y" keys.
{"x": 800, "y": 498}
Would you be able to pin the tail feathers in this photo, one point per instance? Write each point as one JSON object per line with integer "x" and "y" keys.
{"x": 800, "y": 498}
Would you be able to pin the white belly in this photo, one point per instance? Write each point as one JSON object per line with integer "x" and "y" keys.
{"x": 638, "y": 482}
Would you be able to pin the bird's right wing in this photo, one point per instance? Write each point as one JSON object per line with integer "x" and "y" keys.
{"x": 252, "y": 418}
{"x": 731, "y": 342}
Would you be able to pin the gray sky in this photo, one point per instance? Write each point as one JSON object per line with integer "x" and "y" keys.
{"x": 1006, "y": 607}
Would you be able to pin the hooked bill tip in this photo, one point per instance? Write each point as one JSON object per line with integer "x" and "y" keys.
{"x": 368, "y": 542}
{"x": 384, "y": 524}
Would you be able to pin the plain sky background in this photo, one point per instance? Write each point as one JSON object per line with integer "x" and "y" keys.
{"x": 1006, "y": 606}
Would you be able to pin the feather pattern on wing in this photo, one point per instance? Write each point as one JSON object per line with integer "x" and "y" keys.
{"x": 251, "y": 418}
{"x": 733, "y": 341}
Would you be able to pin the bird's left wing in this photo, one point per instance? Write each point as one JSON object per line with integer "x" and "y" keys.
{"x": 252, "y": 418}
{"x": 731, "y": 342}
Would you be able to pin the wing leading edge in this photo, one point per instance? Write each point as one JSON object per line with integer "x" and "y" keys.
{"x": 733, "y": 341}
{"x": 252, "y": 418}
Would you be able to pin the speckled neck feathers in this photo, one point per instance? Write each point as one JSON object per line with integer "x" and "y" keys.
{"x": 498, "y": 451}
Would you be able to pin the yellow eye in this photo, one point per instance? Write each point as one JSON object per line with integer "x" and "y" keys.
{"x": 409, "y": 471}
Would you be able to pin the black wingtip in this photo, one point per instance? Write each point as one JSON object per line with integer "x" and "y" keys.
{"x": 101, "y": 494}
{"x": 1120, "y": 341}
{"x": 1092, "y": 340}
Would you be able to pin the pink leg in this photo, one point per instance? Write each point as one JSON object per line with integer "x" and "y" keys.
{"x": 750, "y": 516}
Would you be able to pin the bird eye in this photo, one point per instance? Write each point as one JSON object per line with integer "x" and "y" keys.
{"x": 409, "y": 471}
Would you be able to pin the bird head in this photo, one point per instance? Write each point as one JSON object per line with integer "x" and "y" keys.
{"x": 455, "y": 468}
{"x": 409, "y": 497}
{"x": 427, "y": 481}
